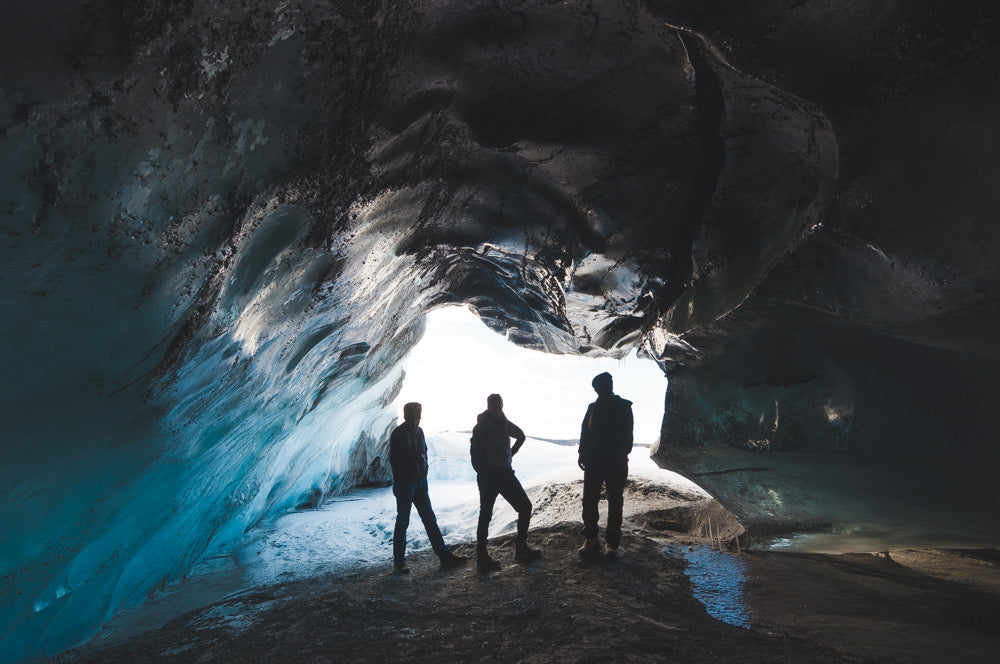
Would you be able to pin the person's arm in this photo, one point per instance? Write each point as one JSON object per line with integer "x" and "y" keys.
{"x": 420, "y": 460}
{"x": 397, "y": 455}
{"x": 517, "y": 434}
{"x": 581, "y": 459}
{"x": 627, "y": 426}
{"x": 476, "y": 448}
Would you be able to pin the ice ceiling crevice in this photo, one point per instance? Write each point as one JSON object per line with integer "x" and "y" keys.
{"x": 223, "y": 225}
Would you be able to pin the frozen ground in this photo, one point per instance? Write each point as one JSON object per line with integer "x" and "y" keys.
{"x": 670, "y": 594}
{"x": 354, "y": 532}
{"x": 315, "y": 584}
{"x": 356, "y": 529}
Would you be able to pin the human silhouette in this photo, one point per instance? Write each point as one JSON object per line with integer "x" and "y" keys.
{"x": 408, "y": 458}
{"x": 491, "y": 458}
{"x": 605, "y": 443}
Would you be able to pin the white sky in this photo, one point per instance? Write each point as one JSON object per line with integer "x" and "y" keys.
{"x": 460, "y": 361}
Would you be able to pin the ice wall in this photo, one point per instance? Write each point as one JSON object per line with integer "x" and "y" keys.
{"x": 178, "y": 372}
{"x": 150, "y": 422}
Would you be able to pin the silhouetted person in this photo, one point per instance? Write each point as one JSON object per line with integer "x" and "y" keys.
{"x": 605, "y": 443}
{"x": 491, "y": 457}
{"x": 408, "y": 458}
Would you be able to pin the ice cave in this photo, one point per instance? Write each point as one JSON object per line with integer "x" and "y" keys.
{"x": 225, "y": 222}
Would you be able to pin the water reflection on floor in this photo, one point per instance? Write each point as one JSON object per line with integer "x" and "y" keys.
{"x": 717, "y": 580}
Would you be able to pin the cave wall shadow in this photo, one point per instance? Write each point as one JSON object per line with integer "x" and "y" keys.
{"x": 806, "y": 422}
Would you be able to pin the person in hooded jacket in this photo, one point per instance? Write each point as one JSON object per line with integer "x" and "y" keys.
{"x": 605, "y": 443}
{"x": 491, "y": 458}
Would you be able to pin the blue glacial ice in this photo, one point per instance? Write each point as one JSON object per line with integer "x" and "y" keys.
{"x": 175, "y": 380}
{"x": 170, "y": 447}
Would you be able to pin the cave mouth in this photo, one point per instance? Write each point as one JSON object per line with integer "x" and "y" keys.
{"x": 460, "y": 360}
{"x": 351, "y": 528}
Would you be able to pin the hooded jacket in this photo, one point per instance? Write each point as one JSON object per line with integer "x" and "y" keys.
{"x": 606, "y": 433}
{"x": 489, "y": 446}
{"x": 407, "y": 454}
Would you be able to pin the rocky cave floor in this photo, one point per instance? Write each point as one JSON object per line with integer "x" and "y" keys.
{"x": 913, "y": 606}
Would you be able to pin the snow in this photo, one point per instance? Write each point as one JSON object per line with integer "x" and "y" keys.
{"x": 356, "y": 529}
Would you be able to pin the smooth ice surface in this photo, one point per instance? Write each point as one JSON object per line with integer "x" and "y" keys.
{"x": 356, "y": 529}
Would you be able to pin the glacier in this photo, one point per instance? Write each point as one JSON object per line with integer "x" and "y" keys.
{"x": 224, "y": 224}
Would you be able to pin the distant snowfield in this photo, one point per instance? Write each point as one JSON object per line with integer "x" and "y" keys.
{"x": 356, "y": 529}
{"x": 459, "y": 362}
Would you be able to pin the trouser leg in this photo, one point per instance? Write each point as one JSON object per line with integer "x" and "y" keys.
{"x": 422, "y": 501}
{"x": 615, "y": 485}
{"x": 593, "y": 478}
{"x": 488, "y": 492}
{"x": 513, "y": 493}
{"x": 404, "y": 500}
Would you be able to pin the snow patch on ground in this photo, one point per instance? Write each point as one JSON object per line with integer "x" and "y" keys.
{"x": 356, "y": 529}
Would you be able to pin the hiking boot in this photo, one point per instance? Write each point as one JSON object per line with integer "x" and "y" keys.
{"x": 400, "y": 568}
{"x": 591, "y": 547}
{"x": 524, "y": 553}
{"x": 451, "y": 560}
{"x": 612, "y": 551}
{"x": 486, "y": 564}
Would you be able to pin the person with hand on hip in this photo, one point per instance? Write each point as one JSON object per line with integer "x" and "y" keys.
{"x": 492, "y": 455}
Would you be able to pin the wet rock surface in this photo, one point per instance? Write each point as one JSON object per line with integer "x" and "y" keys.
{"x": 927, "y": 605}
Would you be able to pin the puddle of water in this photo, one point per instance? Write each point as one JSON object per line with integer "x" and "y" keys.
{"x": 717, "y": 579}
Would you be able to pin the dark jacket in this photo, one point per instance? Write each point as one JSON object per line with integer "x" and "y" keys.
{"x": 490, "y": 442}
{"x": 606, "y": 434}
{"x": 407, "y": 454}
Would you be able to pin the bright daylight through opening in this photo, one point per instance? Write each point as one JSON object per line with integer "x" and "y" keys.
{"x": 450, "y": 372}
{"x": 460, "y": 361}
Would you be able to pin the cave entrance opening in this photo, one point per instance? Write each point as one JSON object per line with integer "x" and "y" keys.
{"x": 456, "y": 365}
{"x": 460, "y": 361}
